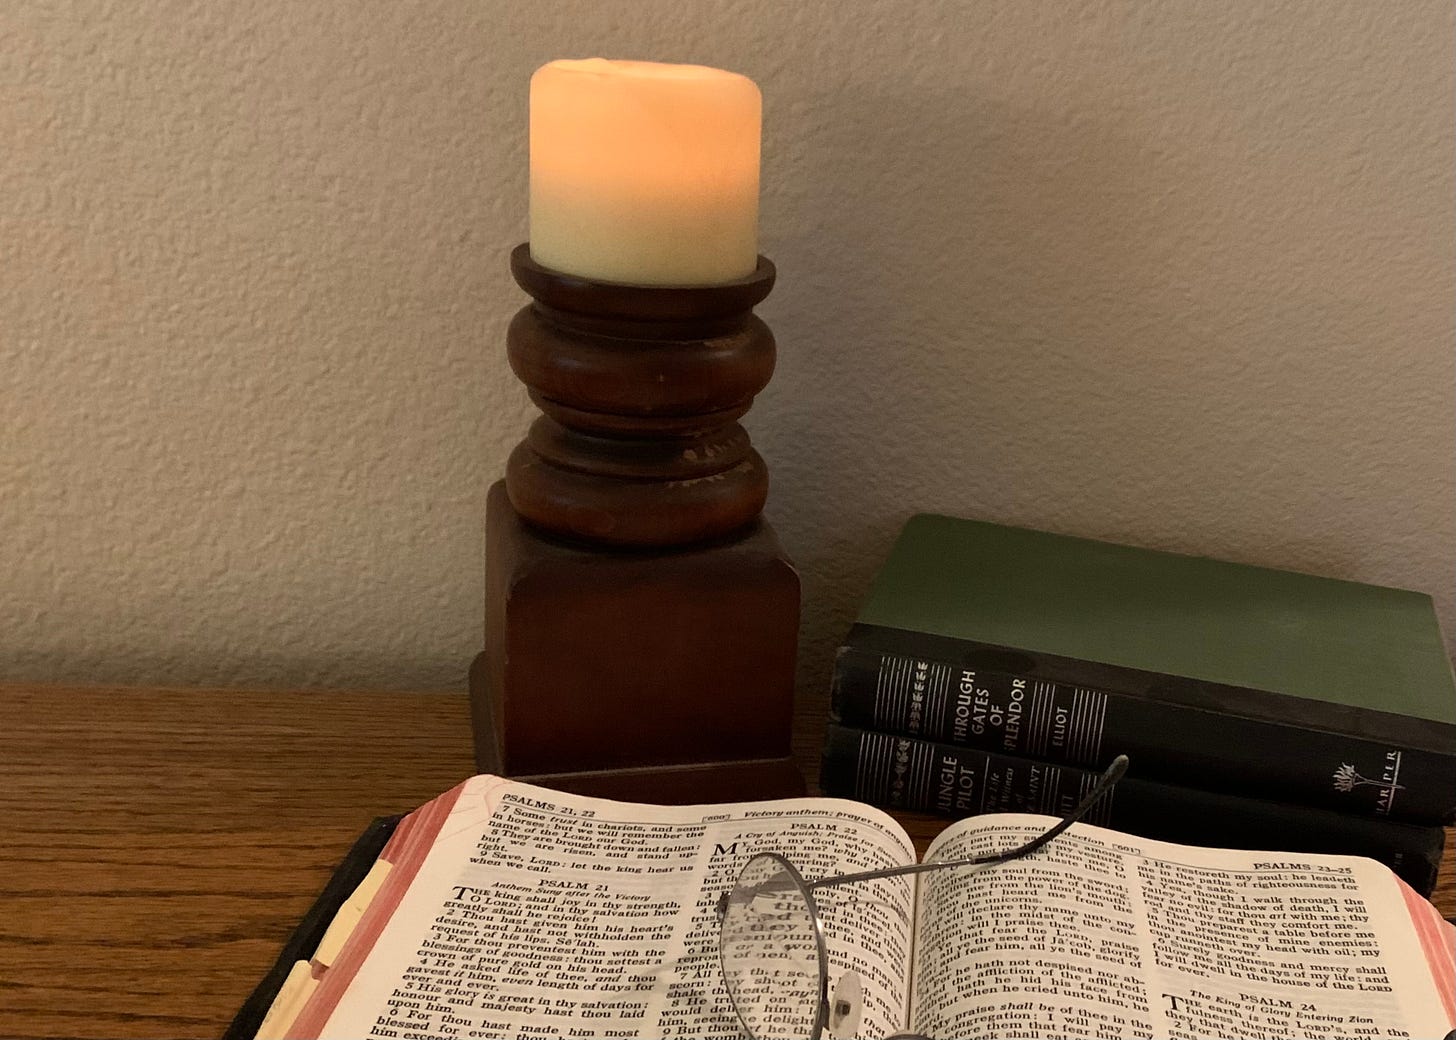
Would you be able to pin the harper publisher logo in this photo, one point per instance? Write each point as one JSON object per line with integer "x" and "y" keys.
{"x": 917, "y": 695}
{"x": 1347, "y": 778}
{"x": 901, "y": 768}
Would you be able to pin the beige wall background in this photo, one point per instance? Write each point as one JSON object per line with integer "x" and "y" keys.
{"x": 1174, "y": 274}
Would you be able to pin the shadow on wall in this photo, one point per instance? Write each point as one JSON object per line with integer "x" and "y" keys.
{"x": 928, "y": 232}
{"x": 993, "y": 311}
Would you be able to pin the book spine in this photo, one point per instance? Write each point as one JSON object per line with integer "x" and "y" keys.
{"x": 922, "y": 776}
{"x": 1003, "y": 701}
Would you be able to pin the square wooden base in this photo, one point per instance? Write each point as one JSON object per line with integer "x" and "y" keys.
{"x": 646, "y": 676}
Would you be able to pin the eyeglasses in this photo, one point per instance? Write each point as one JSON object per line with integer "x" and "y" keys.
{"x": 771, "y": 937}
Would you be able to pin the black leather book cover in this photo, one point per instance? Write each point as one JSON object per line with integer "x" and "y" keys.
{"x": 310, "y": 931}
{"x": 952, "y": 781}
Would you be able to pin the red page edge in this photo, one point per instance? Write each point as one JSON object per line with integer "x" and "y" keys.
{"x": 421, "y": 828}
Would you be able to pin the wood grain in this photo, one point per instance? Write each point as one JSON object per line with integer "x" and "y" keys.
{"x": 561, "y": 685}
{"x": 641, "y": 387}
{"x": 161, "y": 844}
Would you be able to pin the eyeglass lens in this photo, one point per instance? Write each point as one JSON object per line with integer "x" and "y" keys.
{"x": 770, "y": 953}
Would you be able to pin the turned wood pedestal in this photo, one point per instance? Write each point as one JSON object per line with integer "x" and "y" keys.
{"x": 641, "y": 618}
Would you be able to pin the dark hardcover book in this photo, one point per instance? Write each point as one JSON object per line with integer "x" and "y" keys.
{"x": 310, "y": 931}
{"x": 1222, "y": 676}
{"x": 921, "y": 776}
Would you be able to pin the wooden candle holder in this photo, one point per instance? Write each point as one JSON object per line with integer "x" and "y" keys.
{"x": 641, "y": 617}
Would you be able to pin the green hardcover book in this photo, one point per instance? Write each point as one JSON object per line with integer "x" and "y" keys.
{"x": 1214, "y": 675}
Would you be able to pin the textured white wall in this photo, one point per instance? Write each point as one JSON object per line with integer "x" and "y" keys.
{"x": 1174, "y": 274}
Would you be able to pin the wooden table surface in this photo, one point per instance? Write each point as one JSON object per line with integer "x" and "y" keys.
{"x": 160, "y": 845}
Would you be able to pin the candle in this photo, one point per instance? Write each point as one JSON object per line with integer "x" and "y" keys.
{"x": 644, "y": 173}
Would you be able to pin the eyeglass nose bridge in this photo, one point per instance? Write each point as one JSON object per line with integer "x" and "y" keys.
{"x": 846, "y": 1006}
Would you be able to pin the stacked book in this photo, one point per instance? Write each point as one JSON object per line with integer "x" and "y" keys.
{"x": 995, "y": 669}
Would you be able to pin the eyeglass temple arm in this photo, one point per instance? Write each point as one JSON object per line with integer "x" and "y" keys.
{"x": 1111, "y": 776}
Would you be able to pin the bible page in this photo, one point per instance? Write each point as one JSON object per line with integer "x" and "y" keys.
{"x": 535, "y": 913}
{"x": 1102, "y": 935}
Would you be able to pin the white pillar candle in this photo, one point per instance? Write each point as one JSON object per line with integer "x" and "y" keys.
{"x": 644, "y": 173}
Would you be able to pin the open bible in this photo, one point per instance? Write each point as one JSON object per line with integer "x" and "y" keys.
{"x": 502, "y": 909}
